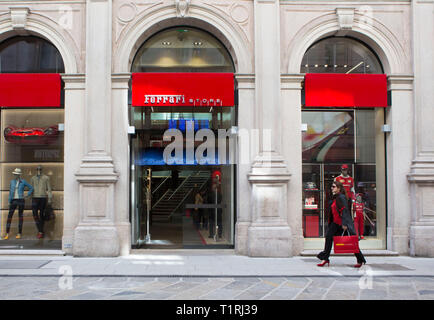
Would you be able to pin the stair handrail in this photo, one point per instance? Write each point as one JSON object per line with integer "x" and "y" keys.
{"x": 182, "y": 183}
{"x": 163, "y": 182}
{"x": 181, "y": 202}
{"x": 162, "y": 197}
{"x": 188, "y": 193}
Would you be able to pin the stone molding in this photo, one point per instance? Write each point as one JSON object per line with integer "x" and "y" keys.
{"x": 131, "y": 37}
{"x": 22, "y": 21}
{"x": 382, "y": 41}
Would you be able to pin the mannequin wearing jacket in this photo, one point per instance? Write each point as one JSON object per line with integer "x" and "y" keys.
{"x": 16, "y": 199}
{"x": 41, "y": 196}
{"x": 341, "y": 221}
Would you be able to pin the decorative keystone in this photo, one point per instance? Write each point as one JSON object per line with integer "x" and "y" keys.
{"x": 182, "y": 7}
{"x": 345, "y": 18}
{"x": 19, "y": 17}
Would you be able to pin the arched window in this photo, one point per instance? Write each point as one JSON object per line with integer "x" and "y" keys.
{"x": 32, "y": 142}
{"x": 29, "y": 55}
{"x": 182, "y": 49}
{"x": 340, "y": 55}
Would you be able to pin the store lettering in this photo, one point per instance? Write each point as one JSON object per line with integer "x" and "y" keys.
{"x": 47, "y": 154}
{"x": 204, "y": 153}
{"x": 180, "y": 99}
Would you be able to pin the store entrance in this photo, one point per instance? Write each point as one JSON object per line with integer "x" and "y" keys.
{"x": 177, "y": 207}
{"x": 185, "y": 204}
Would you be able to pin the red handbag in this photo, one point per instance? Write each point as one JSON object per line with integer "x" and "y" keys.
{"x": 346, "y": 244}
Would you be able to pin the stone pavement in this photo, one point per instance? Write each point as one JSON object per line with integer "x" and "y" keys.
{"x": 213, "y": 275}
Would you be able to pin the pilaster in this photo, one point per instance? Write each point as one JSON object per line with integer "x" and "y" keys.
{"x": 291, "y": 85}
{"x": 399, "y": 144}
{"x": 245, "y": 151}
{"x": 96, "y": 233}
{"x": 74, "y": 126}
{"x": 421, "y": 175}
{"x": 269, "y": 234}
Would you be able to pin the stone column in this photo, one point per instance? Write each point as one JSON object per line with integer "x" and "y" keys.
{"x": 246, "y": 112}
{"x": 399, "y": 155}
{"x": 74, "y": 113}
{"x": 292, "y": 149}
{"x": 120, "y": 154}
{"x": 96, "y": 233}
{"x": 269, "y": 234}
{"x": 421, "y": 176}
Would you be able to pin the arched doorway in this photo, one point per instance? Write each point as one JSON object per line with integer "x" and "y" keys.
{"x": 32, "y": 143}
{"x": 343, "y": 143}
{"x": 185, "y": 201}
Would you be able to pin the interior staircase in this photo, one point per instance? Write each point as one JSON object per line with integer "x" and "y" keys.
{"x": 172, "y": 200}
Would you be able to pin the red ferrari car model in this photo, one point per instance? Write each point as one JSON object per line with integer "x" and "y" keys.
{"x": 31, "y": 135}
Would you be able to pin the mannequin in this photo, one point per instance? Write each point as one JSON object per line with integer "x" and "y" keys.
{"x": 348, "y": 183}
{"x": 42, "y": 194}
{"x": 359, "y": 212}
{"x": 16, "y": 199}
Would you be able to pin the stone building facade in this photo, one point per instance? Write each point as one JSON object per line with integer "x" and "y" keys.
{"x": 267, "y": 40}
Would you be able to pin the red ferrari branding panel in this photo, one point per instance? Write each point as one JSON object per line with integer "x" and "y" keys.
{"x": 345, "y": 90}
{"x": 183, "y": 89}
{"x": 30, "y": 90}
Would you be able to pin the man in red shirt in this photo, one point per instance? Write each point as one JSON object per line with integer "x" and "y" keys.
{"x": 348, "y": 183}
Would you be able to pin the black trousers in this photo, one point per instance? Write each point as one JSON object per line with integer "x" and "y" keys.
{"x": 335, "y": 230}
{"x": 14, "y": 204}
{"x": 38, "y": 209}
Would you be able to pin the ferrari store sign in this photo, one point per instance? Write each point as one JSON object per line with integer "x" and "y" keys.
{"x": 183, "y": 89}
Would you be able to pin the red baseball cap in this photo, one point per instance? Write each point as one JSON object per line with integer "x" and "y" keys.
{"x": 344, "y": 166}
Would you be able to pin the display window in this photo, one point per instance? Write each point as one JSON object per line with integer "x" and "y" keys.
{"x": 188, "y": 202}
{"x": 361, "y": 153}
{"x": 345, "y": 144}
{"x": 31, "y": 149}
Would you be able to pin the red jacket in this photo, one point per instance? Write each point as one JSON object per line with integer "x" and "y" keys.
{"x": 340, "y": 213}
{"x": 337, "y": 216}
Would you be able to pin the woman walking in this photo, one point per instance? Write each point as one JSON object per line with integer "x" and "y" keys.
{"x": 341, "y": 221}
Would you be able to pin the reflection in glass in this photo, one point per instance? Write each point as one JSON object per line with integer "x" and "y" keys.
{"x": 329, "y": 136}
{"x": 340, "y": 55}
{"x": 29, "y": 55}
{"x": 334, "y": 138}
{"x": 182, "y": 49}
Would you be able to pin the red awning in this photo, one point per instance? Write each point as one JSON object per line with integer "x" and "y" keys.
{"x": 345, "y": 90}
{"x": 183, "y": 89}
{"x": 30, "y": 89}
